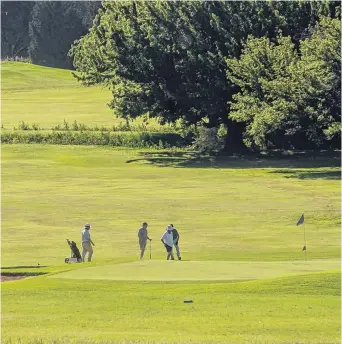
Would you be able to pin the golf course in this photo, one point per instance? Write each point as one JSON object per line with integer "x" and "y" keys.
{"x": 242, "y": 261}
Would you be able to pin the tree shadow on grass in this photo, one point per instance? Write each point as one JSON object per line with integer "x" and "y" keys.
{"x": 307, "y": 174}
{"x": 273, "y": 160}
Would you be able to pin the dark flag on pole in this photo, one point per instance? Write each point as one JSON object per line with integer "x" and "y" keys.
{"x": 300, "y": 221}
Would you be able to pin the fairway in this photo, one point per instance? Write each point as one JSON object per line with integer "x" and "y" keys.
{"x": 199, "y": 271}
{"x": 180, "y": 182}
{"x": 233, "y": 213}
{"x": 242, "y": 264}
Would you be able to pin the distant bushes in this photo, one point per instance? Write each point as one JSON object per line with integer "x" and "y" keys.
{"x": 125, "y": 126}
{"x": 76, "y": 126}
{"x": 124, "y": 134}
{"x": 98, "y": 138}
{"x": 25, "y": 126}
{"x": 17, "y": 59}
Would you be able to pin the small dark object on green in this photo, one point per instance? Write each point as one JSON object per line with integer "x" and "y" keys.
{"x": 188, "y": 301}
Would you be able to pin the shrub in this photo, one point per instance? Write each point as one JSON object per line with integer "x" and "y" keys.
{"x": 22, "y": 126}
{"x": 56, "y": 127}
{"x": 65, "y": 125}
{"x": 209, "y": 140}
{"x": 102, "y": 138}
{"x": 35, "y": 126}
{"x": 74, "y": 125}
{"x": 18, "y": 59}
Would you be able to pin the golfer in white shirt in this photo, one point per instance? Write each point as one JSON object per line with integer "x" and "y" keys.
{"x": 167, "y": 240}
{"x": 86, "y": 243}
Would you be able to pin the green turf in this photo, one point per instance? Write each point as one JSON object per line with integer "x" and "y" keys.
{"x": 198, "y": 270}
{"x": 300, "y": 309}
{"x": 237, "y": 221}
{"x": 48, "y": 96}
{"x": 223, "y": 214}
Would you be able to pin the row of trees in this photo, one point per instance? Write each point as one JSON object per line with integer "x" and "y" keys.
{"x": 269, "y": 72}
{"x": 44, "y": 30}
{"x": 287, "y": 96}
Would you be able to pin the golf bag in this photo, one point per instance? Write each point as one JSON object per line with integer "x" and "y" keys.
{"x": 75, "y": 256}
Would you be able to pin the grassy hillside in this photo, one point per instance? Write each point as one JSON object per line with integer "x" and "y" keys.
{"x": 47, "y": 96}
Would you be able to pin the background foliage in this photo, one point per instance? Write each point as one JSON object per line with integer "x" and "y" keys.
{"x": 269, "y": 72}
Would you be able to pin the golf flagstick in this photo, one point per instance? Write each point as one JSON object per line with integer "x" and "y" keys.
{"x": 302, "y": 222}
{"x": 306, "y": 254}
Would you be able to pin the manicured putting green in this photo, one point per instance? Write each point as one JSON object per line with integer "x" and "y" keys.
{"x": 157, "y": 270}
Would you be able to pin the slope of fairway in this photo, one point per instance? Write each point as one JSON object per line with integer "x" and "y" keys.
{"x": 297, "y": 309}
{"x": 48, "y": 96}
{"x": 199, "y": 270}
{"x": 18, "y": 76}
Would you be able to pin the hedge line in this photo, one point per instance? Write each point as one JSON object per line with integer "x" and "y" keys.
{"x": 115, "y": 139}
{"x": 76, "y": 126}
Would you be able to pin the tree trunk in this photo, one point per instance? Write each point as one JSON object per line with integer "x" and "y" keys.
{"x": 234, "y": 140}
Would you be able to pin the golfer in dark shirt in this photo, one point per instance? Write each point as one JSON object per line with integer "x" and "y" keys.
{"x": 143, "y": 237}
{"x": 176, "y": 241}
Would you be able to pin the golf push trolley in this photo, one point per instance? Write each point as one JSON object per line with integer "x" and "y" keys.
{"x": 75, "y": 256}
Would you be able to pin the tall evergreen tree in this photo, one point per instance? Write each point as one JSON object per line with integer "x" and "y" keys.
{"x": 55, "y": 25}
{"x": 15, "y": 17}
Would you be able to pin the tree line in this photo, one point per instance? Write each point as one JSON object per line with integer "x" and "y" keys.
{"x": 268, "y": 72}
{"x": 44, "y": 30}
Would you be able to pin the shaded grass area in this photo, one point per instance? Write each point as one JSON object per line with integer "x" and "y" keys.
{"x": 268, "y": 311}
{"x": 307, "y": 174}
{"x": 303, "y": 160}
